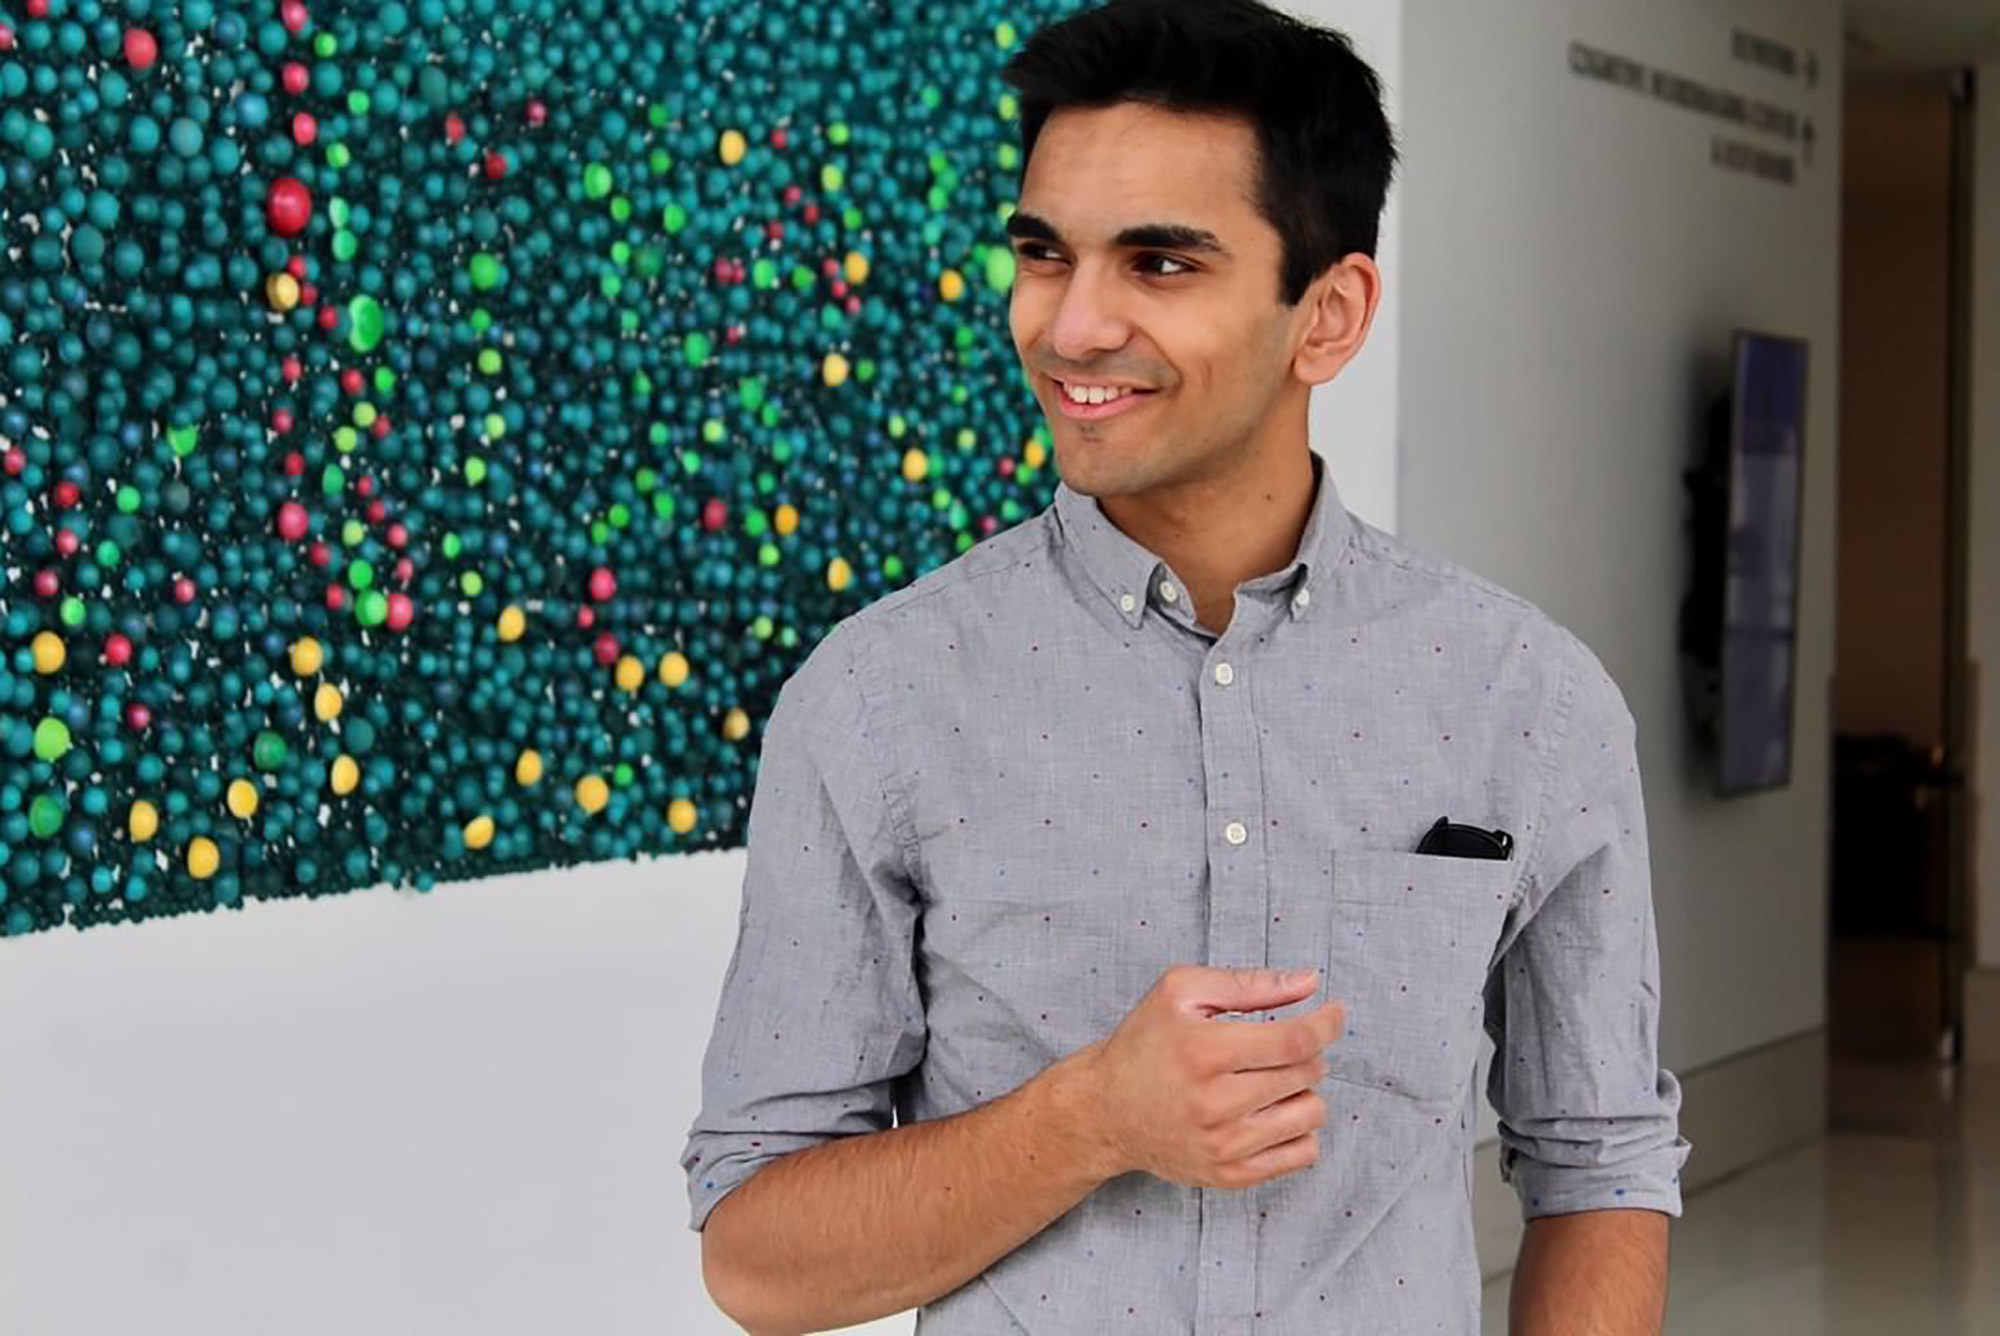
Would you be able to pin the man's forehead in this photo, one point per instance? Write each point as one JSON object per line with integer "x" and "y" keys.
{"x": 1098, "y": 172}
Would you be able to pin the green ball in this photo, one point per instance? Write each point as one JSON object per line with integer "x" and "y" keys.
{"x": 52, "y": 739}
{"x": 269, "y": 751}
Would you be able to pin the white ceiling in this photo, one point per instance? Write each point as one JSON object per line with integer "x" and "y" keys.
{"x": 1922, "y": 33}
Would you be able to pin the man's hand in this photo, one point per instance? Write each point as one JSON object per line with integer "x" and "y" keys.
{"x": 1594, "y": 1273}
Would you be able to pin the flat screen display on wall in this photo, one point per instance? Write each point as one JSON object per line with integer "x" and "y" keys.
{"x": 1761, "y": 578}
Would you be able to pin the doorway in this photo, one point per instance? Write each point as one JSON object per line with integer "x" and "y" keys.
{"x": 1898, "y": 944}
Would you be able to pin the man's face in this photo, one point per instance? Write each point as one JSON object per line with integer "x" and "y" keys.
{"x": 1147, "y": 274}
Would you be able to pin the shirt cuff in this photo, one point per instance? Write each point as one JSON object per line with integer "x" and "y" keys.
{"x": 1650, "y": 1182}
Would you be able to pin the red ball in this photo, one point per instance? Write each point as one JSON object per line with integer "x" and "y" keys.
{"x": 829, "y": 268}
{"x": 308, "y": 293}
{"x": 366, "y": 486}
{"x": 380, "y": 429}
{"x": 183, "y": 590}
{"x": 38, "y": 9}
{"x": 812, "y": 215}
{"x": 336, "y": 598}
{"x": 605, "y": 647}
{"x": 304, "y": 128}
{"x": 406, "y": 570}
{"x": 293, "y": 521}
{"x": 377, "y": 512}
{"x": 117, "y": 650}
{"x": 454, "y": 128}
{"x": 329, "y": 318}
{"x": 1005, "y": 466}
{"x": 603, "y": 584}
{"x": 281, "y": 420}
{"x": 14, "y": 461}
{"x": 839, "y": 288}
{"x": 987, "y": 525}
{"x": 779, "y": 138}
{"x": 288, "y": 206}
{"x": 138, "y": 718}
{"x": 6, "y": 38}
{"x": 852, "y": 305}
{"x": 792, "y": 196}
{"x": 66, "y": 494}
{"x": 47, "y": 583}
{"x": 538, "y": 113}
{"x": 295, "y": 463}
{"x": 714, "y": 514}
{"x": 140, "y": 49}
{"x": 398, "y": 537}
{"x": 586, "y": 618}
{"x": 401, "y": 611}
{"x": 318, "y": 554}
{"x": 296, "y": 267}
{"x": 296, "y": 78}
{"x": 292, "y": 369}
{"x": 67, "y": 542}
{"x": 496, "y": 164}
{"x": 292, "y": 13}
{"x": 774, "y": 230}
{"x": 734, "y": 335}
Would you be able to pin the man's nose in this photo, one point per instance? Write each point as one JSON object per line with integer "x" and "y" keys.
{"x": 1089, "y": 320}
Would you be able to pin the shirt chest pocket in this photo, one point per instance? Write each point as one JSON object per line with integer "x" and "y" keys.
{"x": 1412, "y": 937}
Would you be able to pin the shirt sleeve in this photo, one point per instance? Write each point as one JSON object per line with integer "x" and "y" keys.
{"x": 1588, "y": 1120}
{"x": 819, "y": 1011}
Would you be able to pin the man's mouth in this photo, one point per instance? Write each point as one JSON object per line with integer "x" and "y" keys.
{"x": 1095, "y": 400}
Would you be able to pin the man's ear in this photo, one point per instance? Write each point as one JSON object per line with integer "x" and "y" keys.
{"x": 1338, "y": 310}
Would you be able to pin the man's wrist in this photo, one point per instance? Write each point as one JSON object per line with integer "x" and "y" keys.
{"x": 1065, "y": 1101}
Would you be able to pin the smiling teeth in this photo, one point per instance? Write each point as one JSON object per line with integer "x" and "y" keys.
{"x": 1095, "y": 394}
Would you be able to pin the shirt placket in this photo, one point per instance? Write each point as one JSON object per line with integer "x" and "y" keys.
{"x": 1225, "y": 1291}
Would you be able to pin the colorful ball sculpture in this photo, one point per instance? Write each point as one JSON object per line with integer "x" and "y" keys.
{"x": 431, "y": 430}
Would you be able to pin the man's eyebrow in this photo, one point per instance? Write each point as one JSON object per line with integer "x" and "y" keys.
{"x": 1147, "y": 236}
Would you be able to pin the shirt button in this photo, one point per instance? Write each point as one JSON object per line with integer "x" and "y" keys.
{"x": 1127, "y": 602}
{"x": 1235, "y": 833}
{"x": 1224, "y": 674}
{"x": 1168, "y": 592}
{"x": 1303, "y": 597}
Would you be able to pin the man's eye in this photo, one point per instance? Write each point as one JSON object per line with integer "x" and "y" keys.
{"x": 1174, "y": 268}
{"x": 1034, "y": 250}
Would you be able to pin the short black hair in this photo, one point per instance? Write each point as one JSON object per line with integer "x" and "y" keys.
{"x": 1328, "y": 152}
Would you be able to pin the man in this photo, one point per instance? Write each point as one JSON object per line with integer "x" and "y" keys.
{"x": 1037, "y": 840}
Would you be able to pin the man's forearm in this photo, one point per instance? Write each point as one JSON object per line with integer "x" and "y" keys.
{"x": 1594, "y": 1273}
{"x": 867, "y": 1226}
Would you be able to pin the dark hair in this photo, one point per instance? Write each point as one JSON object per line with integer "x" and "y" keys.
{"x": 1327, "y": 150}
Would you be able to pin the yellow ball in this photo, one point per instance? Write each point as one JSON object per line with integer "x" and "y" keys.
{"x": 1034, "y": 454}
{"x": 307, "y": 656}
{"x": 528, "y": 768}
{"x": 631, "y": 673}
{"x": 344, "y": 775}
{"x": 731, "y": 147}
{"x": 673, "y": 668}
{"x": 736, "y": 725}
{"x": 834, "y": 370}
{"x": 512, "y": 623}
{"x": 327, "y": 702}
{"x": 839, "y": 574}
{"x": 242, "y": 799}
{"x": 143, "y": 821}
{"x": 592, "y": 793}
{"x": 951, "y": 285}
{"x": 49, "y": 652}
{"x": 479, "y": 832}
{"x": 680, "y": 816}
{"x": 203, "y": 858}
{"x": 282, "y": 291}
{"x": 786, "y": 520}
{"x": 916, "y": 464}
{"x": 857, "y": 267}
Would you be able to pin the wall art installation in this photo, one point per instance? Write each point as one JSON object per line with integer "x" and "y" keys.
{"x": 430, "y": 432}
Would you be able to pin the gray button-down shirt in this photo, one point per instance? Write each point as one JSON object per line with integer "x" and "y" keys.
{"x": 994, "y": 806}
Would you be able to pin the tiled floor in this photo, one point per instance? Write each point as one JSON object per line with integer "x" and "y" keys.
{"x": 1890, "y": 1226}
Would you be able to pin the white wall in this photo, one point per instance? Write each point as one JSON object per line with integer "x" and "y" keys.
{"x": 408, "y": 1114}
{"x": 1569, "y": 256}
{"x": 1983, "y": 596}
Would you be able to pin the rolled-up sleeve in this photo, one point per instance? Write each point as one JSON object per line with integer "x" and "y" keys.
{"x": 819, "y": 1011}
{"x": 1588, "y": 1119}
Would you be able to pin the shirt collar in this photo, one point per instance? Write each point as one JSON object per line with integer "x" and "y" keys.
{"x": 1129, "y": 575}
